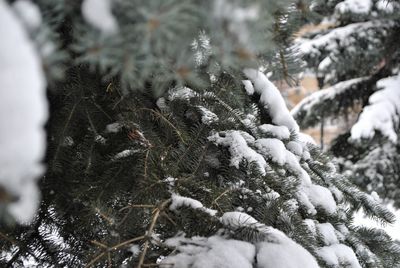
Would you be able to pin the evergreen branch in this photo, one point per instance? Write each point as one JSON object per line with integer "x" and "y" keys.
{"x": 109, "y": 259}
{"x": 168, "y": 218}
{"x": 214, "y": 202}
{"x": 127, "y": 242}
{"x": 65, "y": 129}
{"x": 190, "y": 146}
{"x": 101, "y": 109}
{"x": 136, "y": 206}
{"x": 98, "y": 244}
{"x": 108, "y": 250}
{"x": 24, "y": 248}
{"x": 160, "y": 116}
{"x": 146, "y": 163}
{"x": 91, "y": 122}
{"x": 5, "y": 237}
{"x": 93, "y": 261}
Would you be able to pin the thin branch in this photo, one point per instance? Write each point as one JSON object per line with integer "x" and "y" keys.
{"x": 97, "y": 243}
{"x": 93, "y": 261}
{"x": 136, "y": 206}
{"x": 108, "y": 250}
{"x": 127, "y": 242}
{"x": 65, "y": 129}
{"x": 150, "y": 230}
{"x": 161, "y": 116}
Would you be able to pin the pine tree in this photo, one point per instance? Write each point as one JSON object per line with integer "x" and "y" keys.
{"x": 167, "y": 146}
{"x": 356, "y": 60}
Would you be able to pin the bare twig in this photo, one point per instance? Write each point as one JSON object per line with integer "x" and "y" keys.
{"x": 108, "y": 250}
{"x": 93, "y": 261}
{"x": 153, "y": 222}
{"x": 136, "y": 206}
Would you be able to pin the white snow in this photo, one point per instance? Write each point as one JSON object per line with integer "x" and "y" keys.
{"x": 181, "y": 201}
{"x": 134, "y": 249}
{"x": 248, "y": 86}
{"x": 354, "y": 6}
{"x": 305, "y": 138}
{"x": 382, "y": 112}
{"x": 98, "y": 14}
{"x": 23, "y": 112}
{"x": 310, "y": 195}
{"x": 183, "y": 93}
{"x": 274, "y": 149}
{"x": 306, "y": 46}
{"x": 207, "y": 117}
{"x": 277, "y": 250}
{"x": 284, "y": 254}
{"x": 100, "y": 139}
{"x": 308, "y": 103}
{"x": 235, "y": 220}
{"x": 387, "y": 6}
{"x": 280, "y": 132}
{"x": 324, "y": 64}
{"x": 338, "y": 255}
{"x": 125, "y": 153}
{"x": 272, "y": 99}
{"x": 29, "y": 13}
{"x": 211, "y": 252}
{"x": 236, "y": 141}
{"x": 327, "y": 231}
{"x": 321, "y": 197}
{"x": 311, "y": 226}
{"x": 295, "y": 147}
{"x": 113, "y": 127}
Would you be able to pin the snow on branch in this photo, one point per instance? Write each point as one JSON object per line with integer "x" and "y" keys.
{"x": 98, "y": 14}
{"x": 243, "y": 146}
{"x": 181, "y": 201}
{"x": 382, "y": 113}
{"x": 354, "y": 6}
{"x": 276, "y": 250}
{"x": 326, "y": 101}
{"x": 341, "y": 34}
{"x": 271, "y": 98}
{"x": 236, "y": 141}
{"x": 29, "y": 14}
{"x": 23, "y": 112}
{"x": 337, "y": 255}
{"x": 214, "y": 251}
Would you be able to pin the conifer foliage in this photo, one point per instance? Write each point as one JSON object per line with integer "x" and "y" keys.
{"x": 356, "y": 59}
{"x": 168, "y": 147}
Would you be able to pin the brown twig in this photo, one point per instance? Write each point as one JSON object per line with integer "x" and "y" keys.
{"x": 214, "y": 202}
{"x": 161, "y": 116}
{"x": 136, "y": 206}
{"x": 108, "y": 250}
{"x": 97, "y": 243}
{"x": 153, "y": 222}
{"x": 127, "y": 242}
{"x": 93, "y": 261}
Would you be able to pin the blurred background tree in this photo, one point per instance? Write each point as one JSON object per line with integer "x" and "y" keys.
{"x": 356, "y": 61}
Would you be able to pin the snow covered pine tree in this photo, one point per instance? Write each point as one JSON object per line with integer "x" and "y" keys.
{"x": 168, "y": 147}
{"x": 358, "y": 57}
